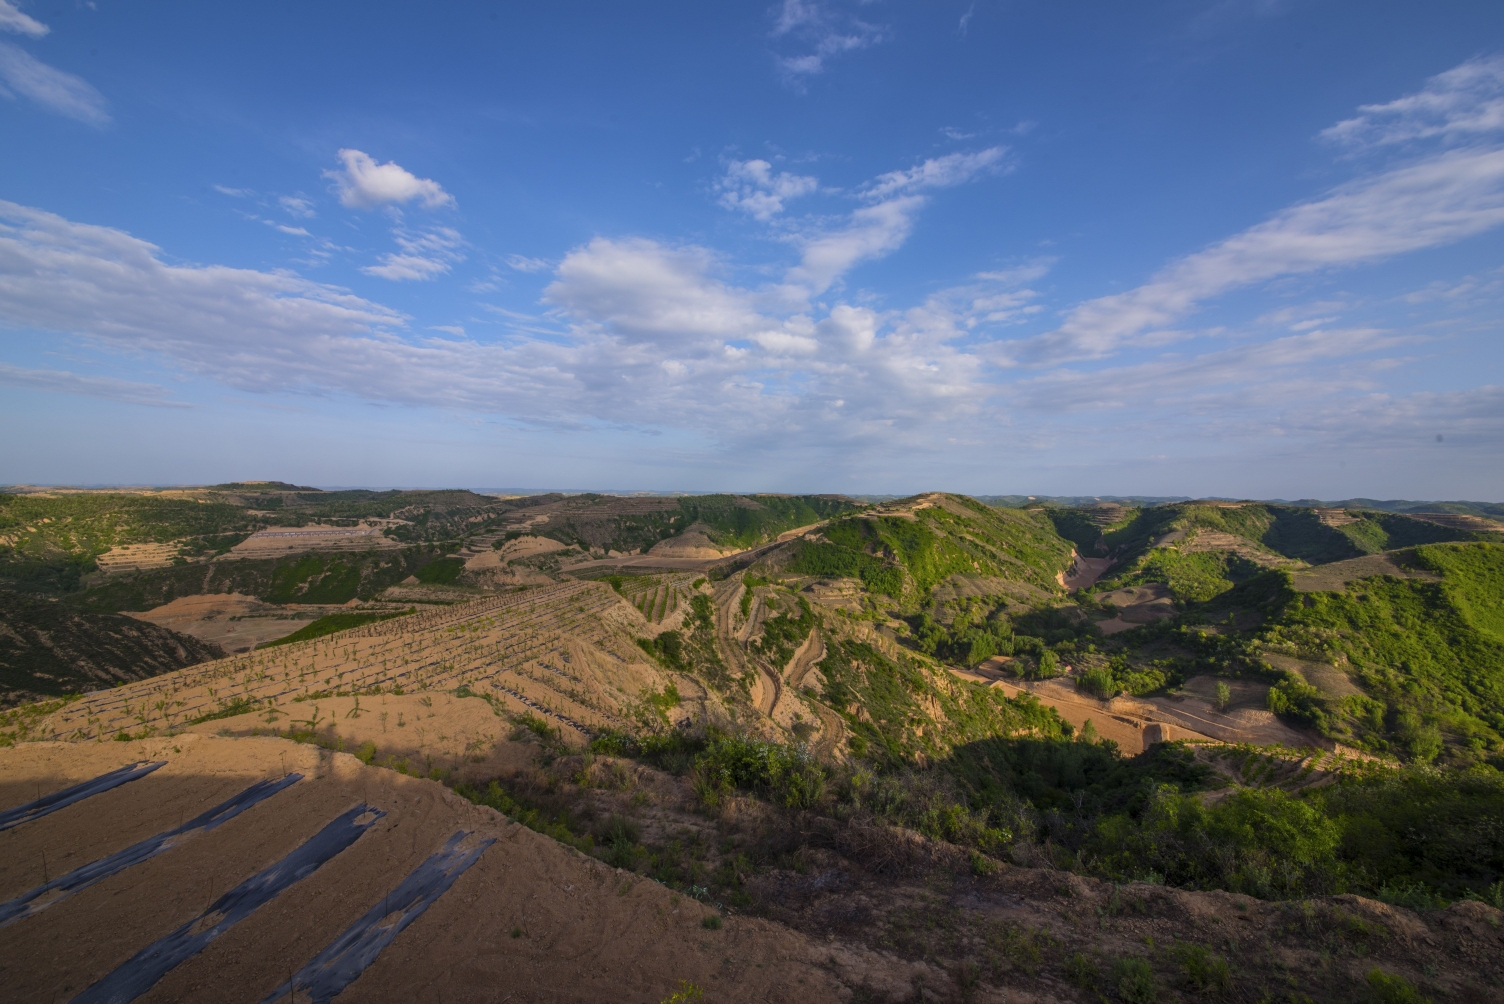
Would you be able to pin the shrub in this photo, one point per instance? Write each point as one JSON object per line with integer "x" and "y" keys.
{"x": 1098, "y": 682}
{"x": 787, "y": 773}
{"x": 1385, "y": 988}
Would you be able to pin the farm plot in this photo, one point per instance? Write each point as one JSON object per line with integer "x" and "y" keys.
{"x": 559, "y": 650}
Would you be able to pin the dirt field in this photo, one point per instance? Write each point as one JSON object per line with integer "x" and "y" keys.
{"x": 284, "y": 540}
{"x": 1336, "y": 575}
{"x": 1137, "y": 605}
{"x": 234, "y": 622}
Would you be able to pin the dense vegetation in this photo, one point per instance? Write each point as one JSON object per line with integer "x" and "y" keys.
{"x": 745, "y": 521}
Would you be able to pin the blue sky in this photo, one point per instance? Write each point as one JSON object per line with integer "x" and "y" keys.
{"x": 1232, "y": 248}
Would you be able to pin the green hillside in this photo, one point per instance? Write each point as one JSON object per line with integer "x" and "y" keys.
{"x": 630, "y": 525}
{"x": 1161, "y": 544}
{"x": 906, "y": 554}
{"x": 1429, "y": 656}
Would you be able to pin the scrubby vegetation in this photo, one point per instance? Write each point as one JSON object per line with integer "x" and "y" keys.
{"x": 48, "y": 649}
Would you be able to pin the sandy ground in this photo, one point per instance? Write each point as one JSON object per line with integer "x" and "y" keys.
{"x": 233, "y": 621}
{"x": 532, "y": 920}
{"x": 1325, "y": 677}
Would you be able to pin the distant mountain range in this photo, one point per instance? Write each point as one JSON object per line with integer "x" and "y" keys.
{"x": 1494, "y": 510}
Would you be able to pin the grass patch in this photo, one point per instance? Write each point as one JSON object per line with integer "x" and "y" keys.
{"x": 331, "y": 624}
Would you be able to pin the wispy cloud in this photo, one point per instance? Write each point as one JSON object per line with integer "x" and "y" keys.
{"x": 364, "y": 184}
{"x": 1437, "y": 201}
{"x": 51, "y": 88}
{"x": 13, "y": 20}
{"x": 938, "y": 172}
{"x": 109, "y": 388}
{"x": 1463, "y": 104}
{"x": 879, "y": 229}
{"x": 295, "y": 205}
{"x": 821, "y": 31}
{"x": 424, "y": 255}
{"x": 522, "y": 263}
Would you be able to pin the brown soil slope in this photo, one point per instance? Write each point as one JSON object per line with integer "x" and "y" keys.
{"x": 531, "y": 920}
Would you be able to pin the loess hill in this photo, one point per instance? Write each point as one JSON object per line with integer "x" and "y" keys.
{"x": 918, "y": 731}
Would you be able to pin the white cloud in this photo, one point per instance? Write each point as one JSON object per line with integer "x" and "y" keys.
{"x": 400, "y": 267}
{"x": 522, "y": 263}
{"x": 1436, "y": 201}
{"x": 752, "y": 187}
{"x": 937, "y": 172}
{"x": 365, "y": 184}
{"x": 14, "y": 20}
{"x": 822, "y": 30}
{"x": 51, "y": 88}
{"x": 295, "y": 231}
{"x": 109, "y": 388}
{"x": 647, "y": 336}
{"x": 234, "y": 193}
{"x": 1464, "y": 103}
{"x": 295, "y": 205}
{"x": 646, "y": 291}
{"x": 1268, "y": 366}
{"x": 56, "y": 275}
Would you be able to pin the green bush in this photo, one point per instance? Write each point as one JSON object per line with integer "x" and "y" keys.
{"x": 1265, "y": 843}
{"x": 1098, "y": 682}
{"x": 1133, "y": 978}
{"x": 1204, "y": 970}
